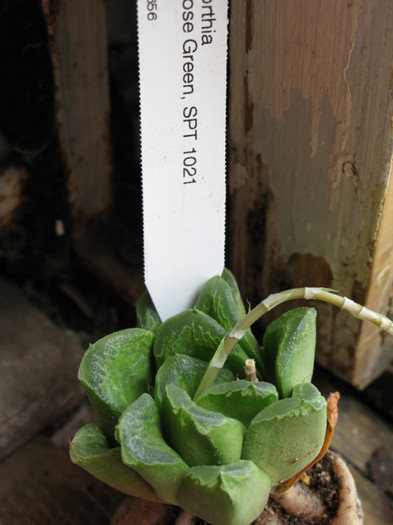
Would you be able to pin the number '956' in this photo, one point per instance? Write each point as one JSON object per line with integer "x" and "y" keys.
{"x": 151, "y": 6}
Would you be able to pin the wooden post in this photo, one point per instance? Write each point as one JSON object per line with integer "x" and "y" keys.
{"x": 77, "y": 32}
{"x": 311, "y": 104}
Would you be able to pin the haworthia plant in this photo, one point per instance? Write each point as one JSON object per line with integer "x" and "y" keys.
{"x": 194, "y": 333}
{"x": 289, "y": 348}
{"x": 239, "y": 399}
{"x": 179, "y": 422}
{"x": 185, "y": 372}
{"x": 115, "y": 371}
{"x": 283, "y": 437}
{"x": 229, "y": 278}
{"x": 220, "y": 298}
{"x": 200, "y": 436}
{"x": 144, "y": 449}
{"x": 91, "y": 451}
{"x": 146, "y": 314}
{"x": 233, "y": 494}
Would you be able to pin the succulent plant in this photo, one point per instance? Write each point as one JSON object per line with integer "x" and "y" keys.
{"x": 193, "y": 412}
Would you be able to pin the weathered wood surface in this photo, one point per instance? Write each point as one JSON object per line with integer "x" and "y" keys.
{"x": 39, "y": 364}
{"x": 359, "y": 433}
{"x": 311, "y": 101}
{"x": 77, "y": 32}
{"x": 381, "y": 390}
{"x": 377, "y": 508}
{"x": 39, "y": 485}
{"x": 115, "y": 257}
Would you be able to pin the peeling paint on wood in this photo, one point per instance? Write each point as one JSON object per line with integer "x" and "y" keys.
{"x": 311, "y": 104}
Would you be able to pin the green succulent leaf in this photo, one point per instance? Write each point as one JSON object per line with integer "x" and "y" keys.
{"x": 143, "y": 448}
{"x": 288, "y": 434}
{"x": 233, "y": 494}
{"x": 89, "y": 449}
{"x": 241, "y": 400}
{"x": 216, "y": 299}
{"x": 185, "y": 372}
{"x": 195, "y": 333}
{"x": 146, "y": 314}
{"x": 200, "y": 436}
{"x": 115, "y": 371}
{"x": 229, "y": 278}
{"x": 289, "y": 349}
{"x": 222, "y": 301}
{"x": 309, "y": 393}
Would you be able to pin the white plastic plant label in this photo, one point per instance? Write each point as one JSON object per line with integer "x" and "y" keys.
{"x": 182, "y": 69}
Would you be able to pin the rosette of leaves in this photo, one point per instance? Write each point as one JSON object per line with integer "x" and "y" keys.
{"x": 218, "y": 455}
